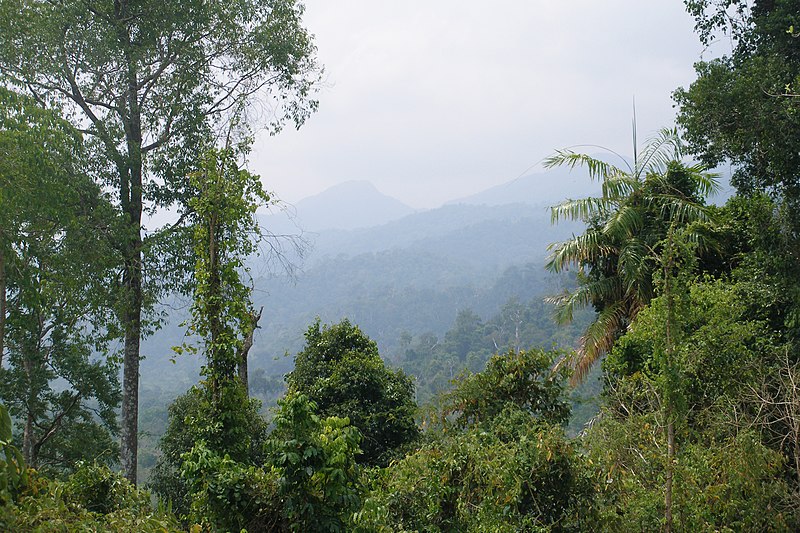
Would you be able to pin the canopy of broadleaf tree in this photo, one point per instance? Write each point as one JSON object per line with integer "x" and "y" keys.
{"x": 148, "y": 81}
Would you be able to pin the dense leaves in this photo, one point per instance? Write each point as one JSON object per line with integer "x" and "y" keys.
{"x": 618, "y": 253}
{"x": 341, "y": 371}
{"x": 57, "y": 274}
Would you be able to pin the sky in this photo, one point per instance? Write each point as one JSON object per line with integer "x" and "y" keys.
{"x": 432, "y": 100}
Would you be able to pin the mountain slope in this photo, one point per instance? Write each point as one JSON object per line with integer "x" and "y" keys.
{"x": 346, "y": 206}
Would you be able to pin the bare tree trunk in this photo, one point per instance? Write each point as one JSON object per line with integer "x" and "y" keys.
{"x": 27, "y": 442}
{"x": 246, "y": 345}
{"x": 129, "y": 444}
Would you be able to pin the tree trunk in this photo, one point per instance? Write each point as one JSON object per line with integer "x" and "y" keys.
{"x": 131, "y": 203}
{"x": 670, "y": 471}
{"x": 27, "y": 442}
{"x": 246, "y": 345}
{"x": 2, "y": 303}
{"x": 132, "y": 318}
{"x": 129, "y": 445}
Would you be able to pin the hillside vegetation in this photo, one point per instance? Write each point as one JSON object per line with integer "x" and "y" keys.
{"x": 631, "y": 367}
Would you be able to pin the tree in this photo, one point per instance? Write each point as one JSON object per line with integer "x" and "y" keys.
{"x": 341, "y": 371}
{"x": 147, "y": 81}
{"x": 503, "y": 465}
{"x": 225, "y": 233}
{"x": 519, "y": 378}
{"x": 185, "y": 428}
{"x": 691, "y": 360}
{"x": 742, "y": 106}
{"x": 617, "y": 255}
{"x": 315, "y": 459}
{"x": 57, "y": 305}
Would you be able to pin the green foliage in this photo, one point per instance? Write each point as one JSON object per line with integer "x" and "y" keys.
{"x": 523, "y": 379}
{"x": 92, "y": 499}
{"x": 189, "y": 423}
{"x": 225, "y": 233}
{"x": 728, "y": 473}
{"x": 499, "y": 460}
{"x": 309, "y": 481}
{"x": 314, "y": 460}
{"x": 743, "y": 107}
{"x": 178, "y": 68}
{"x": 511, "y": 473}
{"x": 341, "y": 371}
{"x": 56, "y": 277}
{"x": 224, "y": 226}
{"x": 13, "y": 474}
{"x": 227, "y": 495}
{"x": 619, "y": 252}
{"x": 730, "y": 483}
{"x": 149, "y": 81}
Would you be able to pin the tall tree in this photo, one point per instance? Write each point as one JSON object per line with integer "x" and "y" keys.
{"x": 743, "y": 107}
{"x": 224, "y": 236}
{"x": 147, "y": 80}
{"x": 616, "y": 256}
{"x": 57, "y": 306}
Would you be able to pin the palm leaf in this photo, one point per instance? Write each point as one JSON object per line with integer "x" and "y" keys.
{"x": 626, "y": 221}
{"x": 659, "y": 151}
{"x": 617, "y": 187}
{"x": 579, "y": 249}
{"x": 583, "y": 209}
{"x": 598, "y": 170}
{"x": 598, "y": 339}
{"x": 566, "y": 303}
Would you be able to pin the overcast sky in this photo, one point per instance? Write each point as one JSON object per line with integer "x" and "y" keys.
{"x": 432, "y": 100}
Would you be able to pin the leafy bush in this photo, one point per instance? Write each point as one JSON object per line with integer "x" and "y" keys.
{"x": 730, "y": 484}
{"x": 315, "y": 463}
{"x": 188, "y": 424}
{"x": 520, "y": 378}
{"x": 13, "y": 476}
{"x": 310, "y": 481}
{"x": 512, "y": 474}
{"x": 92, "y": 499}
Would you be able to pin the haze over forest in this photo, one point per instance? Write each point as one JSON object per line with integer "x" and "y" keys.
{"x": 538, "y": 267}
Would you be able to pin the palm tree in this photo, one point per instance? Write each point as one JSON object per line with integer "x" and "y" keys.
{"x": 619, "y": 252}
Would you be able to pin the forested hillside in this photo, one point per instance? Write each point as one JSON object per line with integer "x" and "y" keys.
{"x": 616, "y": 353}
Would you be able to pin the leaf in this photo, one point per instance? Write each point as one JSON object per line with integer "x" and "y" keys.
{"x": 5, "y": 425}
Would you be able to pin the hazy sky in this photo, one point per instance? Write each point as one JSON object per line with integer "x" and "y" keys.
{"x": 432, "y": 100}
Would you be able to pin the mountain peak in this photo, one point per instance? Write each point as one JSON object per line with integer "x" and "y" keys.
{"x": 348, "y": 205}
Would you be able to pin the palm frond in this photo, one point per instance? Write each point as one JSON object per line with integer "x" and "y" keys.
{"x": 681, "y": 211}
{"x": 580, "y": 248}
{"x": 707, "y": 183}
{"x": 634, "y": 265}
{"x": 583, "y": 209}
{"x": 617, "y": 187}
{"x": 598, "y": 339}
{"x": 626, "y": 221}
{"x": 663, "y": 147}
{"x": 566, "y": 303}
{"x": 598, "y": 170}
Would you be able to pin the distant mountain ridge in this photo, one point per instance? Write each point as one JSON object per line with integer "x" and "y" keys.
{"x": 409, "y": 271}
{"x": 543, "y": 189}
{"x": 345, "y": 206}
